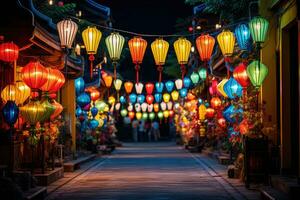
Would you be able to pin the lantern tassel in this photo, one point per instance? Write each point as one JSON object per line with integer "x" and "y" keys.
{"x": 115, "y": 71}
{"x": 160, "y": 68}
{"x": 91, "y": 58}
{"x": 183, "y": 70}
{"x": 137, "y": 68}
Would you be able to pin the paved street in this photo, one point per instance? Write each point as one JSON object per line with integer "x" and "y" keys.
{"x": 155, "y": 171}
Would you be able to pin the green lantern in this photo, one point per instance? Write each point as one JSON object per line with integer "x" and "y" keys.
{"x": 160, "y": 114}
{"x": 124, "y": 112}
{"x": 257, "y": 73}
{"x": 49, "y": 109}
{"x": 258, "y": 29}
{"x": 151, "y": 115}
{"x": 145, "y": 116}
{"x": 202, "y": 73}
{"x": 195, "y": 78}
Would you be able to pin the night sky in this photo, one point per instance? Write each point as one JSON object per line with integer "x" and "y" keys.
{"x": 146, "y": 17}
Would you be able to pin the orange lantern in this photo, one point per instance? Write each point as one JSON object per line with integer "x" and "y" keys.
{"x": 215, "y": 102}
{"x": 210, "y": 112}
{"x": 58, "y": 109}
{"x": 9, "y": 52}
{"x": 11, "y": 93}
{"x": 240, "y": 75}
{"x": 156, "y": 107}
{"x": 205, "y": 45}
{"x": 222, "y": 122}
{"x": 60, "y": 81}
{"x": 34, "y": 75}
{"x": 128, "y": 87}
{"x": 51, "y": 80}
{"x": 131, "y": 115}
{"x": 190, "y": 96}
{"x": 95, "y": 94}
{"x": 108, "y": 80}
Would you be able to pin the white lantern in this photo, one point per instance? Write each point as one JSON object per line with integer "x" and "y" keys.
{"x": 150, "y": 108}
{"x": 163, "y": 106}
{"x": 117, "y": 106}
{"x": 114, "y": 43}
{"x": 178, "y": 84}
{"x": 137, "y": 107}
{"x": 169, "y": 105}
{"x": 130, "y": 108}
{"x": 139, "y": 88}
{"x": 144, "y": 107}
{"x": 118, "y": 84}
{"x": 67, "y": 30}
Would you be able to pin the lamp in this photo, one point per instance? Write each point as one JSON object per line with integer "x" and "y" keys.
{"x": 242, "y": 34}
{"x": 205, "y": 45}
{"x": 182, "y": 49}
{"x": 67, "y": 30}
{"x": 257, "y": 73}
{"x": 160, "y": 49}
{"x": 258, "y": 28}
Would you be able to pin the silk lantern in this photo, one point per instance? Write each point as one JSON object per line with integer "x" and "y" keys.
{"x": 240, "y": 75}
{"x": 95, "y": 95}
{"x": 122, "y": 99}
{"x": 150, "y": 107}
{"x": 9, "y": 52}
{"x": 144, "y": 107}
{"x": 140, "y": 98}
{"x": 202, "y": 73}
{"x": 258, "y": 28}
{"x": 169, "y": 86}
{"x": 166, "y": 114}
{"x": 131, "y": 115}
{"x": 175, "y": 95}
{"x": 137, "y": 47}
{"x": 159, "y": 87}
{"x": 257, "y": 73}
{"x": 128, "y": 87}
{"x": 178, "y": 84}
{"x": 138, "y": 115}
{"x": 33, "y": 112}
{"x": 205, "y": 45}
{"x": 93, "y": 124}
{"x": 79, "y": 85}
{"x": 139, "y": 88}
{"x": 118, "y": 84}
{"x": 24, "y": 91}
{"x": 156, "y": 107}
{"x": 124, "y": 112}
{"x": 67, "y": 30}
{"x": 215, "y": 103}
{"x": 183, "y": 92}
{"x": 242, "y": 34}
{"x": 34, "y": 75}
{"x": 149, "y": 99}
{"x": 169, "y": 105}
{"x": 160, "y": 49}
{"x": 182, "y": 49}
{"x": 91, "y": 38}
{"x": 111, "y": 100}
{"x": 210, "y": 112}
{"x": 157, "y": 97}
{"x": 49, "y": 110}
{"x": 107, "y": 80}
{"x": 58, "y": 109}
{"x": 137, "y": 107}
{"x": 145, "y": 116}
{"x": 10, "y": 112}
{"x": 166, "y": 97}
{"x": 149, "y": 88}
{"x": 132, "y": 98}
{"x": 83, "y": 99}
{"x": 51, "y": 80}
{"x": 232, "y": 88}
{"x": 160, "y": 115}
{"x": 151, "y": 116}
{"x": 59, "y": 83}
{"x": 195, "y": 78}
{"x": 186, "y": 82}
{"x": 11, "y": 93}
{"x": 226, "y": 42}
{"x": 202, "y": 112}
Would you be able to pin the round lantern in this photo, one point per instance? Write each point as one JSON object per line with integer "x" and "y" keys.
{"x": 118, "y": 84}
{"x": 93, "y": 124}
{"x": 131, "y": 115}
{"x": 10, "y": 112}
{"x": 160, "y": 115}
{"x": 83, "y": 99}
{"x": 157, "y": 97}
{"x": 210, "y": 112}
{"x": 9, "y": 52}
{"x": 178, "y": 84}
{"x": 242, "y": 34}
{"x": 166, "y": 114}
{"x": 166, "y": 97}
{"x": 190, "y": 96}
{"x": 51, "y": 80}
{"x": 60, "y": 81}
{"x": 183, "y": 92}
{"x": 151, "y": 116}
{"x": 139, "y": 88}
{"x": 124, "y": 112}
{"x": 163, "y": 106}
{"x": 240, "y": 75}
{"x": 205, "y": 45}
{"x": 215, "y": 103}
{"x": 202, "y": 73}
{"x": 78, "y": 112}
{"x": 122, "y": 99}
{"x": 195, "y": 78}
{"x": 220, "y": 87}
{"x": 145, "y": 116}
{"x": 94, "y": 111}
{"x": 79, "y": 85}
{"x": 149, "y": 99}
{"x": 257, "y": 73}
{"x": 232, "y": 88}
{"x": 159, "y": 87}
{"x": 58, "y": 109}
{"x": 140, "y": 98}
{"x": 169, "y": 86}
{"x": 149, "y": 88}
{"x": 258, "y": 28}
{"x": 128, "y": 87}
{"x": 34, "y": 75}
{"x": 182, "y": 49}
{"x": 24, "y": 91}
{"x": 33, "y": 112}
{"x": 160, "y": 49}
{"x": 186, "y": 82}
{"x": 226, "y": 42}
{"x": 100, "y": 105}
{"x": 156, "y": 107}
{"x": 11, "y": 93}
{"x": 132, "y": 98}
{"x": 138, "y": 115}
{"x": 67, "y": 30}
{"x": 49, "y": 110}
{"x": 95, "y": 95}
{"x": 111, "y": 100}
{"x": 175, "y": 95}
{"x": 222, "y": 122}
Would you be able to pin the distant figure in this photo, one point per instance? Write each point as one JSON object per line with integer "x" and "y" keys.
{"x": 155, "y": 130}
{"x": 141, "y": 132}
{"x": 148, "y": 130}
{"x": 135, "y": 125}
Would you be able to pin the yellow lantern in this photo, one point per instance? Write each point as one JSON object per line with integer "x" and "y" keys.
{"x": 166, "y": 114}
{"x": 160, "y": 49}
{"x": 33, "y": 112}
{"x": 226, "y": 42}
{"x": 182, "y": 49}
{"x": 175, "y": 95}
{"x": 11, "y": 93}
{"x": 166, "y": 97}
{"x": 220, "y": 87}
{"x": 111, "y": 100}
{"x": 24, "y": 91}
{"x": 202, "y": 112}
{"x": 138, "y": 115}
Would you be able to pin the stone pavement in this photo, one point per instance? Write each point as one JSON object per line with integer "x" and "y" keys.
{"x": 152, "y": 171}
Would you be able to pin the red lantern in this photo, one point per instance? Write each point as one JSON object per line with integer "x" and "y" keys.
{"x": 34, "y": 94}
{"x": 222, "y": 122}
{"x": 240, "y": 75}
{"x": 52, "y": 95}
{"x": 137, "y": 47}
{"x": 34, "y": 75}
{"x": 51, "y": 80}
{"x": 213, "y": 88}
{"x": 210, "y": 112}
{"x": 215, "y": 102}
{"x": 149, "y": 88}
{"x": 60, "y": 81}
{"x": 149, "y": 99}
{"x": 190, "y": 96}
{"x": 171, "y": 113}
{"x": 58, "y": 109}
{"x": 95, "y": 94}
{"x": 205, "y": 45}
{"x": 9, "y": 52}
{"x": 131, "y": 115}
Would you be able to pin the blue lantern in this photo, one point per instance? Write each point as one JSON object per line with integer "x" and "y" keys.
{"x": 200, "y": 101}
{"x": 10, "y": 112}
{"x": 79, "y": 85}
{"x": 94, "y": 111}
{"x": 141, "y": 98}
{"x": 242, "y": 34}
{"x": 231, "y": 114}
{"x": 233, "y": 89}
{"x": 158, "y": 97}
{"x": 169, "y": 86}
{"x": 93, "y": 124}
{"x": 122, "y": 99}
{"x": 206, "y": 104}
{"x": 159, "y": 87}
{"x": 78, "y": 112}
{"x": 83, "y": 99}
{"x": 132, "y": 98}
{"x": 183, "y": 92}
{"x": 187, "y": 82}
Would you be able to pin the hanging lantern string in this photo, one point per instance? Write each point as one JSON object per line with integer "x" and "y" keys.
{"x": 137, "y": 68}
{"x": 115, "y": 70}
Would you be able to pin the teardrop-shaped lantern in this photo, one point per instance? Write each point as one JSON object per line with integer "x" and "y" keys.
{"x": 9, "y": 52}
{"x": 140, "y": 98}
{"x": 240, "y": 75}
{"x": 79, "y": 85}
{"x": 67, "y": 30}
{"x": 91, "y": 38}
{"x": 10, "y": 112}
{"x": 158, "y": 97}
{"x": 226, "y": 42}
{"x": 183, "y": 92}
{"x": 205, "y": 45}
{"x": 187, "y": 82}
{"x": 149, "y": 88}
{"x": 160, "y": 49}
{"x": 233, "y": 89}
{"x": 149, "y": 99}
{"x": 132, "y": 98}
{"x": 137, "y": 47}
{"x": 139, "y": 88}
{"x": 257, "y": 73}
{"x": 182, "y": 49}
{"x": 128, "y": 87}
{"x": 34, "y": 75}
{"x": 159, "y": 87}
{"x": 33, "y": 112}
{"x": 166, "y": 97}
{"x": 242, "y": 34}
{"x": 156, "y": 107}
{"x": 169, "y": 86}
{"x": 175, "y": 95}
{"x": 259, "y": 28}
{"x": 114, "y": 43}
{"x": 118, "y": 84}
{"x": 178, "y": 84}
{"x": 195, "y": 78}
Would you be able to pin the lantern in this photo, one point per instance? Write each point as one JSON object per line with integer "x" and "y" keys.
{"x": 202, "y": 73}
{"x": 166, "y": 97}
{"x": 210, "y": 112}
{"x": 226, "y": 42}
{"x": 242, "y": 34}
{"x": 117, "y": 106}
{"x": 156, "y": 107}
{"x": 24, "y": 91}
{"x": 144, "y": 107}
{"x": 10, "y": 112}
{"x": 124, "y": 112}
{"x": 128, "y": 87}
{"x": 137, "y": 107}
{"x": 169, "y": 86}
{"x": 118, "y": 84}
{"x": 132, "y": 98}
{"x": 213, "y": 87}
{"x": 258, "y": 28}
{"x": 100, "y": 105}
{"x": 51, "y": 80}
{"x": 220, "y": 87}
{"x": 151, "y": 116}
{"x": 122, "y": 99}
{"x": 95, "y": 94}
{"x": 159, "y": 87}
{"x": 34, "y": 75}
{"x": 131, "y": 115}
{"x": 232, "y": 115}
{"x": 178, "y": 84}
{"x": 149, "y": 88}
{"x": 83, "y": 99}
{"x": 79, "y": 85}
{"x": 183, "y": 92}
{"x": 160, "y": 49}
{"x": 232, "y": 88}
{"x": 67, "y": 30}
{"x": 145, "y": 116}
{"x": 49, "y": 110}
{"x": 160, "y": 115}
{"x": 11, "y": 93}
{"x": 182, "y": 49}
{"x": 93, "y": 124}
{"x": 60, "y": 81}
{"x": 150, "y": 107}
{"x": 257, "y": 73}
{"x": 190, "y": 96}
{"x": 58, "y": 109}
{"x": 169, "y": 105}
{"x": 175, "y": 95}
{"x": 138, "y": 115}
{"x": 186, "y": 82}
{"x": 130, "y": 107}
{"x": 139, "y": 88}
{"x": 149, "y": 99}
{"x": 205, "y": 45}
{"x": 158, "y": 97}
{"x": 91, "y": 38}
{"x": 222, "y": 122}
{"x": 114, "y": 43}
{"x": 166, "y": 114}
{"x": 137, "y": 47}
{"x": 9, "y": 52}
{"x": 171, "y": 113}
{"x": 215, "y": 103}
{"x": 33, "y": 112}
{"x": 202, "y": 112}
{"x": 108, "y": 80}
{"x": 240, "y": 75}
{"x": 140, "y": 98}
{"x": 195, "y": 78}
